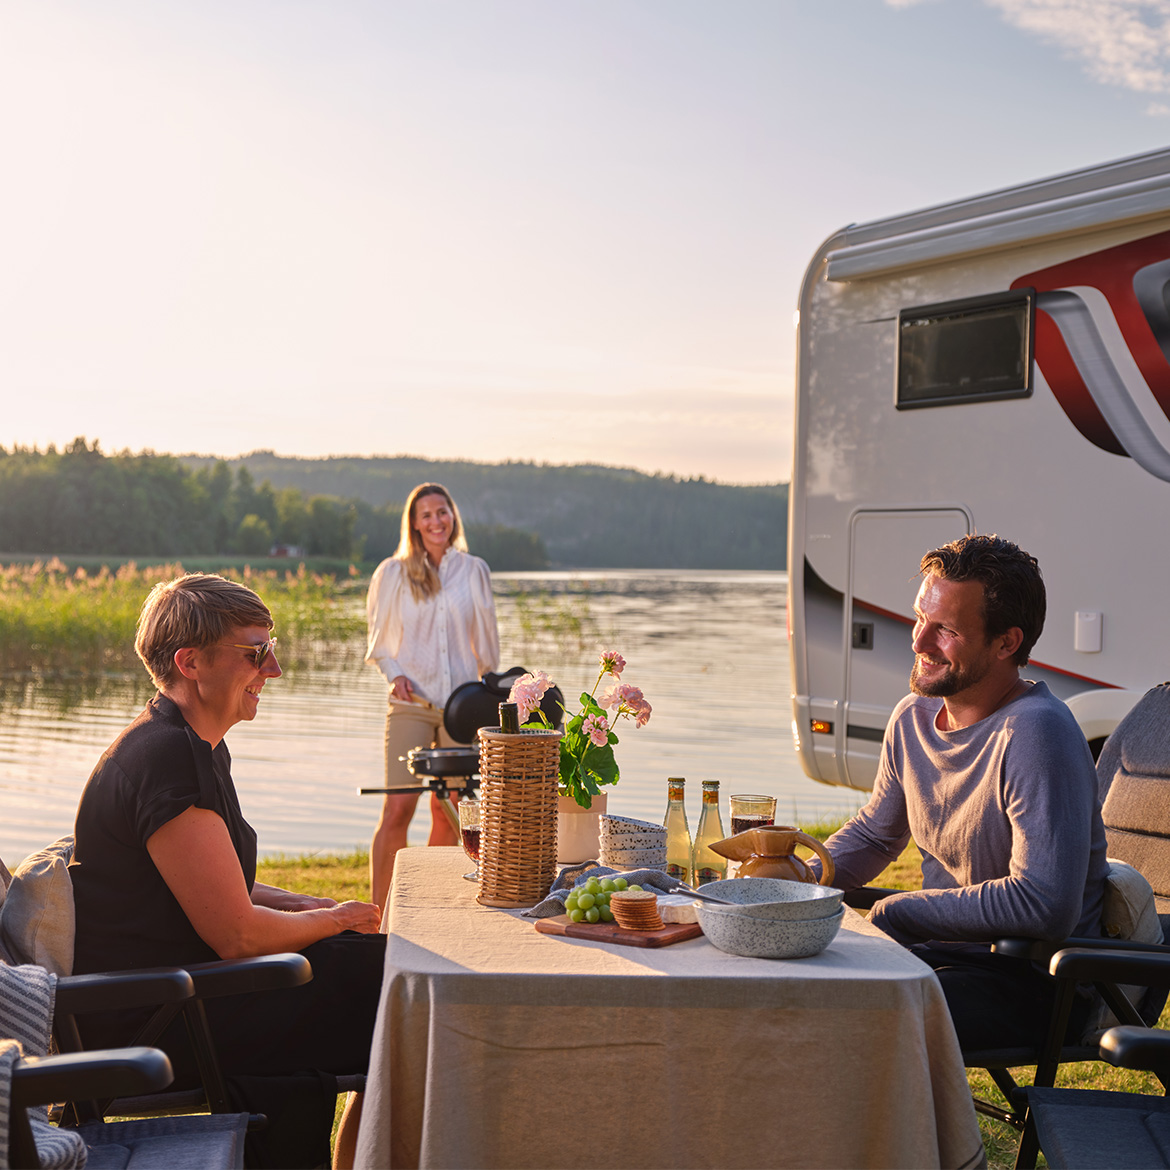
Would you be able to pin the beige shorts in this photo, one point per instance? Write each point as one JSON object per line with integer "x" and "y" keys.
{"x": 411, "y": 725}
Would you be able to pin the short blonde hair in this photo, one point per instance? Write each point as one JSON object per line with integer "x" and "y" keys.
{"x": 198, "y": 610}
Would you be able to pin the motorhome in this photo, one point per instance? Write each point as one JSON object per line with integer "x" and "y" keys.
{"x": 1000, "y": 364}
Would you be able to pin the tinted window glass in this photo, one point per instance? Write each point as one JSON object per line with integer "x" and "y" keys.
{"x": 965, "y": 351}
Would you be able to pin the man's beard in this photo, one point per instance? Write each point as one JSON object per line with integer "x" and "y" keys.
{"x": 950, "y": 682}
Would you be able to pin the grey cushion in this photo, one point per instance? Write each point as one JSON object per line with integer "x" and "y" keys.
{"x": 200, "y": 1142}
{"x": 1133, "y": 776}
{"x": 1092, "y": 1128}
{"x": 37, "y": 918}
{"x": 1129, "y": 910}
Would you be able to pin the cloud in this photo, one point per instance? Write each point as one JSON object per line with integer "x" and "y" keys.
{"x": 1120, "y": 42}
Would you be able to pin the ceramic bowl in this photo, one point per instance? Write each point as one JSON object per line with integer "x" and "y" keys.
{"x": 767, "y": 938}
{"x": 776, "y": 898}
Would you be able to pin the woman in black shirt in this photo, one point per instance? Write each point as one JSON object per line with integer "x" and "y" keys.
{"x": 164, "y": 863}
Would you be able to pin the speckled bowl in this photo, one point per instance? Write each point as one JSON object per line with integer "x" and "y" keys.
{"x": 776, "y": 898}
{"x": 767, "y": 938}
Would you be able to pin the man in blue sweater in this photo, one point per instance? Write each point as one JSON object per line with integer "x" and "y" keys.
{"x": 991, "y": 776}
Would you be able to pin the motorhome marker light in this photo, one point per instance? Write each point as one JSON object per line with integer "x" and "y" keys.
{"x": 822, "y": 727}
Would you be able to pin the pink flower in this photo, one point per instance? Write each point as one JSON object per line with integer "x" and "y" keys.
{"x": 612, "y": 663}
{"x": 527, "y": 691}
{"x": 597, "y": 728}
{"x": 629, "y": 701}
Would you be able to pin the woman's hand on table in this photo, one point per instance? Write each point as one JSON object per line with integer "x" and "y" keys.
{"x": 364, "y": 917}
{"x": 402, "y": 689}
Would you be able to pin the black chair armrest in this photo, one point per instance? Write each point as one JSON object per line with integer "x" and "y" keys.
{"x": 238, "y": 976}
{"x": 113, "y": 991}
{"x": 1143, "y": 1048}
{"x": 867, "y": 897}
{"x": 1083, "y": 964}
{"x": 1035, "y": 949}
{"x": 1041, "y": 951}
{"x": 41, "y": 1080}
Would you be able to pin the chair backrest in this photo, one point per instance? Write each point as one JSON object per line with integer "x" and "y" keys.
{"x": 37, "y": 918}
{"x": 1133, "y": 775}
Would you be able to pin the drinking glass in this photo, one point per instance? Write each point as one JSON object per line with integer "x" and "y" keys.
{"x": 469, "y": 811}
{"x": 751, "y": 812}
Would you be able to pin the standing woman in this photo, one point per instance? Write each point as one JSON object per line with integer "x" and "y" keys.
{"x": 432, "y": 627}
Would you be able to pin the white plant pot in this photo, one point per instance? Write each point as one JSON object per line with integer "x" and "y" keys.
{"x": 578, "y": 829}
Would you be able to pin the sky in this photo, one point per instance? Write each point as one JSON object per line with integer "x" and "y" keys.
{"x": 552, "y": 230}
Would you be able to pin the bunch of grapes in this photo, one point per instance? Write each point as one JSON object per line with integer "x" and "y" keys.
{"x": 590, "y": 902}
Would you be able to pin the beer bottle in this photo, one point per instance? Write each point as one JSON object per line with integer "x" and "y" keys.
{"x": 706, "y": 865}
{"x": 678, "y": 832}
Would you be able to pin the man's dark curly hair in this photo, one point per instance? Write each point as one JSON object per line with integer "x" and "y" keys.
{"x": 1013, "y": 590}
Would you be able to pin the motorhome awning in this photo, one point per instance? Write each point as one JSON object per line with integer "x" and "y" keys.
{"x": 1005, "y": 219}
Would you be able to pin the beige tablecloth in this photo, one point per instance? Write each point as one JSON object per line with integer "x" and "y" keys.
{"x": 497, "y": 1046}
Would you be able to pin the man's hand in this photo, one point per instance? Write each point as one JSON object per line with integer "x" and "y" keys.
{"x": 402, "y": 689}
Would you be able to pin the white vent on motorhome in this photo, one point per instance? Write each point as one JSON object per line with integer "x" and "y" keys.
{"x": 1087, "y": 636}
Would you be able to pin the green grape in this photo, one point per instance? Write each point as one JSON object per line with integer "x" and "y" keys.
{"x": 592, "y": 886}
{"x": 636, "y": 887}
{"x": 585, "y": 901}
{"x": 592, "y": 914}
{"x": 571, "y": 901}
{"x": 606, "y": 914}
{"x": 608, "y": 885}
{"x": 620, "y": 883}
{"x": 603, "y": 898}
{"x": 577, "y": 915}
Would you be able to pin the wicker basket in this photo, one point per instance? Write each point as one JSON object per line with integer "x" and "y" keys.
{"x": 518, "y": 816}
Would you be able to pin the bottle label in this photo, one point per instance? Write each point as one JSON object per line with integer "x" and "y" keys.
{"x": 680, "y": 873}
{"x": 705, "y": 874}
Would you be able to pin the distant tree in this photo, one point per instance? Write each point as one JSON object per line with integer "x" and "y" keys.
{"x": 253, "y": 537}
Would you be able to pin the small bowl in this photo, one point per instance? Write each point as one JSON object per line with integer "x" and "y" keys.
{"x": 767, "y": 938}
{"x": 776, "y": 898}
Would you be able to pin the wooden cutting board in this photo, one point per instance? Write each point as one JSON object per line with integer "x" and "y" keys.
{"x": 610, "y": 932}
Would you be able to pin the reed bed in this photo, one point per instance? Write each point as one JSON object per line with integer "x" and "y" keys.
{"x": 58, "y": 620}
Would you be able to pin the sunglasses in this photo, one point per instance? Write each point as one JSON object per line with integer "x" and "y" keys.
{"x": 261, "y": 651}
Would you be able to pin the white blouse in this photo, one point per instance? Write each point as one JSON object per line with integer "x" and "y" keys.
{"x": 439, "y": 643}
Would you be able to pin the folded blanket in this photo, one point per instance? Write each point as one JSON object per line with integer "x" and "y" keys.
{"x": 26, "y": 1014}
{"x": 578, "y": 875}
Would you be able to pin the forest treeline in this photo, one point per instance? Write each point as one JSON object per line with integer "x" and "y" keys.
{"x": 79, "y": 500}
{"x": 587, "y": 516}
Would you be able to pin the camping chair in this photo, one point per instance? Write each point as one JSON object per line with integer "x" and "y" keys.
{"x": 1095, "y": 1128}
{"x": 36, "y": 927}
{"x": 29, "y": 1077}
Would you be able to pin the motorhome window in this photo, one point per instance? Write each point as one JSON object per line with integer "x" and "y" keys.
{"x": 965, "y": 351}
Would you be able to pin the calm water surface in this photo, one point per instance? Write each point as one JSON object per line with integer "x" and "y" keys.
{"x": 708, "y": 649}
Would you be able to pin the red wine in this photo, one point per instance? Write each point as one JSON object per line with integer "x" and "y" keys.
{"x": 742, "y": 824}
{"x": 471, "y": 843}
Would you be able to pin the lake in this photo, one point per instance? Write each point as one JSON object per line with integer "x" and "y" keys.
{"x": 709, "y": 650}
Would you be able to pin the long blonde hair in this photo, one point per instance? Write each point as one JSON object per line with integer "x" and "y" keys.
{"x": 421, "y": 574}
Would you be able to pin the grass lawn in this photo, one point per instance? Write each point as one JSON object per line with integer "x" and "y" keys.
{"x": 348, "y": 877}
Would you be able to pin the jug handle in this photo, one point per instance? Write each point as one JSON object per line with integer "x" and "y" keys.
{"x": 828, "y": 870}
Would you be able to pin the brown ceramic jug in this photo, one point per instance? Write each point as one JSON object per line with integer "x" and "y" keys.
{"x": 770, "y": 852}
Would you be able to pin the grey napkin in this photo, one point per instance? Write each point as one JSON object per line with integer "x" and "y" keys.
{"x": 578, "y": 875}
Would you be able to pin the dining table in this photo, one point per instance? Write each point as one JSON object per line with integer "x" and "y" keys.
{"x": 500, "y": 1046}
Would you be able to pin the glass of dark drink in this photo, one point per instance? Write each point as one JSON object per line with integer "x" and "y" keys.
{"x": 751, "y": 812}
{"x": 469, "y": 810}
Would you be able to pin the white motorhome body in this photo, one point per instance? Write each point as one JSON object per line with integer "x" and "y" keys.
{"x": 1001, "y": 364}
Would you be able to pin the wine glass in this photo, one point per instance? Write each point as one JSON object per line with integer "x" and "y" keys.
{"x": 469, "y": 809}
